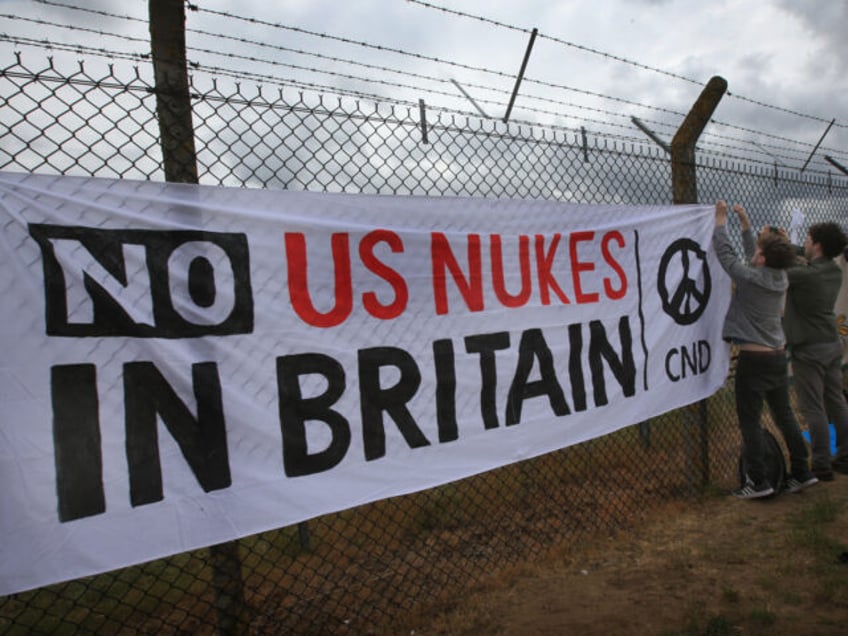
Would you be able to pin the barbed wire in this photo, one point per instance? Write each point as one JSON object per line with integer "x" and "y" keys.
{"x": 416, "y": 75}
{"x": 579, "y": 47}
{"x": 607, "y": 135}
{"x": 616, "y": 58}
{"x": 336, "y": 59}
{"x": 73, "y": 48}
{"x": 411, "y": 106}
{"x": 100, "y": 12}
{"x": 265, "y": 77}
{"x": 497, "y": 73}
{"x": 419, "y": 56}
{"x": 247, "y": 41}
{"x": 82, "y": 29}
{"x": 741, "y": 145}
{"x": 433, "y": 78}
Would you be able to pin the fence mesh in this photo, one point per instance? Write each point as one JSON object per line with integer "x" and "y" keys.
{"x": 382, "y": 567}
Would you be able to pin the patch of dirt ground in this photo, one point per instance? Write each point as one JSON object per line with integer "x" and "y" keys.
{"x": 714, "y": 566}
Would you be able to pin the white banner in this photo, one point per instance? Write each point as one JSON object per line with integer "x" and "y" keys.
{"x": 188, "y": 365}
{"x": 841, "y": 310}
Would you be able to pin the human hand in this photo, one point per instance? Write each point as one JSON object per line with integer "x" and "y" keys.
{"x": 744, "y": 221}
{"x": 720, "y": 212}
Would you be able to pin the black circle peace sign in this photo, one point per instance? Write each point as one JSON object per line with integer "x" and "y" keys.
{"x": 684, "y": 300}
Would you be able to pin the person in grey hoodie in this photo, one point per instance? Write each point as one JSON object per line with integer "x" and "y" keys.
{"x": 753, "y": 324}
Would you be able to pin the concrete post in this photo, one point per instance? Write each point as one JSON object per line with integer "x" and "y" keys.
{"x": 684, "y": 189}
{"x": 176, "y": 133}
{"x": 683, "y": 183}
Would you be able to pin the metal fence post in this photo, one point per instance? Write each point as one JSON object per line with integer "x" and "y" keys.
{"x": 176, "y": 133}
{"x": 684, "y": 189}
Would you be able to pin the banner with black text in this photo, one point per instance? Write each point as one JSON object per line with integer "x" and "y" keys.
{"x": 185, "y": 365}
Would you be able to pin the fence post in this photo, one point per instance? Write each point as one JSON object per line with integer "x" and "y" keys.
{"x": 173, "y": 104}
{"x": 683, "y": 182}
{"x": 520, "y": 77}
{"x": 179, "y": 158}
{"x": 422, "y": 109}
{"x": 651, "y": 134}
{"x": 684, "y": 189}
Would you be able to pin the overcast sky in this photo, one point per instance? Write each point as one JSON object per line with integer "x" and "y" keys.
{"x": 787, "y": 55}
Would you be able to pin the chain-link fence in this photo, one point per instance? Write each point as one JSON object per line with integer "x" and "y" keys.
{"x": 382, "y": 567}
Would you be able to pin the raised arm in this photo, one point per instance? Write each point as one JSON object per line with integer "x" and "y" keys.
{"x": 749, "y": 239}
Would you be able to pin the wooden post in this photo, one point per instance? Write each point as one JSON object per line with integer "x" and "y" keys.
{"x": 683, "y": 182}
{"x": 229, "y": 588}
{"x": 173, "y": 103}
{"x": 176, "y": 133}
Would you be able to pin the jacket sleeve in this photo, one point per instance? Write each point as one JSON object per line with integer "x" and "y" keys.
{"x": 723, "y": 249}
{"x": 736, "y": 269}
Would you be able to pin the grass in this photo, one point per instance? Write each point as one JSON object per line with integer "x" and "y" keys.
{"x": 804, "y": 553}
{"x": 768, "y": 568}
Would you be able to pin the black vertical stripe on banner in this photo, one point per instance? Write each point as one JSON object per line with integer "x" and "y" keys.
{"x": 76, "y": 441}
{"x": 641, "y": 311}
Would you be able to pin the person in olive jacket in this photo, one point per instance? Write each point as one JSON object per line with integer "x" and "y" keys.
{"x": 812, "y": 336}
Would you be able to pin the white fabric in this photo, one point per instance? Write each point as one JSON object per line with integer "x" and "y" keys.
{"x": 841, "y": 310}
{"x": 114, "y": 291}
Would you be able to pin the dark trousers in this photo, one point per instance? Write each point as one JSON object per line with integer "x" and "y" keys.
{"x": 762, "y": 377}
{"x": 818, "y": 384}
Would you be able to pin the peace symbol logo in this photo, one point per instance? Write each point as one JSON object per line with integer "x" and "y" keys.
{"x": 685, "y": 287}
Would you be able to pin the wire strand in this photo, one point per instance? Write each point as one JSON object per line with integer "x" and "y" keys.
{"x": 430, "y": 78}
{"x": 501, "y": 74}
{"x": 616, "y": 58}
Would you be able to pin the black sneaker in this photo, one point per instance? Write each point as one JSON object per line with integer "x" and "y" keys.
{"x": 753, "y": 491}
{"x": 797, "y": 484}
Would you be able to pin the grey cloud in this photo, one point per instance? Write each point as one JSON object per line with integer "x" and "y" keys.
{"x": 824, "y": 18}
